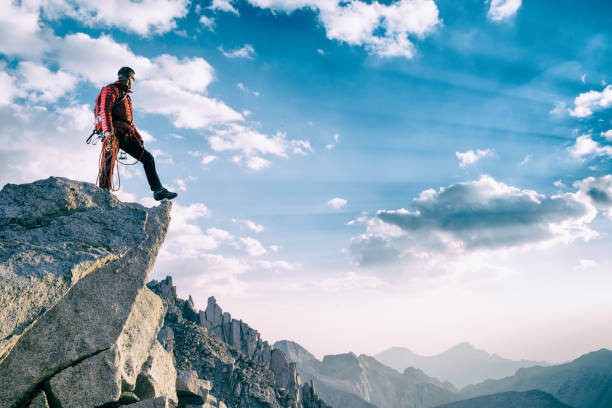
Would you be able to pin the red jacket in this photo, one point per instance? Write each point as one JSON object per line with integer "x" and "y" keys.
{"x": 119, "y": 118}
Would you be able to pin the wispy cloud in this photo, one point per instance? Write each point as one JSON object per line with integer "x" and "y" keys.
{"x": 246, "y": 51}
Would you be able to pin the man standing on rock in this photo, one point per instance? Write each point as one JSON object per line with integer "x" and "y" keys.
{"x": 114, "y": 118}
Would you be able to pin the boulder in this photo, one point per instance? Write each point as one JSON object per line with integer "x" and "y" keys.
{"x": 158, "y": 376}
{"x": 107, "y": 306}
{"x": 54, "y": 232}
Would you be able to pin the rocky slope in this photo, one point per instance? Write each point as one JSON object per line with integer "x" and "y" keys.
{"x": 350, "y": 381}
{"x": 244, "y": 370}
{"x": 528, "y": 399}
{"x": 583, "y": 383}
{"x": 461, "y": 365}
{"x": 79, "y": 327}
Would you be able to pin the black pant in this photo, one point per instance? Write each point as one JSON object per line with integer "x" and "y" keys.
{"x": 132, "y": 147}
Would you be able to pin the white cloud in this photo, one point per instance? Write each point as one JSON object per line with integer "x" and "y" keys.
{"x": 337, "y": 202}
{"x": 182, "y": 184}
{"x": 207, "y": 22}
{"x": 333, "y": 144}
{"x": 608, "y": 135}
{"x": 470, "y": 157}
{"x": 42, "y": 85}
{"x": 187, "y": 109}
{"x": 503, "y": 9}
{"x": 599, "y": 191}
{"x": 246, "y": 51}
{"x": 223, "y": 5}
{"x": 482, "y": 215}
{"x": 253, "y": 246}
{"x": 244, "y": 88}
{"x": 20, "y": 30}
{"x": 237, "y": 137}
{"x": 253, "y": 226}
{"x": 586, "y": 146}
{"x": 587, "y": 102}
{"x": 207, "y": 159}
{"x": 29, "y": 151}
{"x": 382, "y": 29}
{"x": 8, "y": 91}
{"x": 143, "y": 17}
{"x": 146, "y": 136}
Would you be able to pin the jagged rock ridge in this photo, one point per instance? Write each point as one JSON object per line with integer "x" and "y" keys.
{"x": 244, "y": 370}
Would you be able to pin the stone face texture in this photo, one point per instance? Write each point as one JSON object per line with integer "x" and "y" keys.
{"x": 40, "y": 401}
{"x": 187, "y": 380}
{"x": 160, "y": 402}
{"x": 92, "y": 382}
{"x": 52, "y": 233}
{"x": 158, "y": 376}
{"x": 95, "y": 313}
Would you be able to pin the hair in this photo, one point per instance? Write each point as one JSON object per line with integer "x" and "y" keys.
{"x": 124, "y": 73}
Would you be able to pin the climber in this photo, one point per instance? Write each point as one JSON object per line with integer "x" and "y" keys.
{"x": 114, "y": 120}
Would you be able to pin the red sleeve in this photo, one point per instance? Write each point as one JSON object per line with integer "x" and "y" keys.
{"x": 107, "y": 100}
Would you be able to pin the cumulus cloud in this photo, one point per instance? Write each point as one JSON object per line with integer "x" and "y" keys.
{"x": 383, "y": 29}
{"x": 253, "y": 246}
{"x": 586, "y": 146}
{"x": 599, "y": 191}
{"x": 39, "y": 84}
{"x": 465, "y": 217}
{"x": 143, "y": 17}
{"x": 29, "y": 151}
{"x": 503, "y": 9}
{"x": 337, "y": 203}
{"x": 607, "y": 135}
{"x": 21, "y": 33}
{"x": 590, "y": 101}
{"x": 470, "y": 157}
{"x": 253, "y": 144}
{"x": 246, "y": 51}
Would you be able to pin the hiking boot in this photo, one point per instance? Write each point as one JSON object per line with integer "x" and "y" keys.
{"x": 164, "y": 193}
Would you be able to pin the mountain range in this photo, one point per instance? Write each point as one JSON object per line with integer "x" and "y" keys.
{"x": 462, "y": 365}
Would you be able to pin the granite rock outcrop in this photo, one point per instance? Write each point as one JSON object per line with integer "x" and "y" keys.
{"x": 86, "y": 323}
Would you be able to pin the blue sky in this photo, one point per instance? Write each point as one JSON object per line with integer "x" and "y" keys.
{"x": 354, "y": 175}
